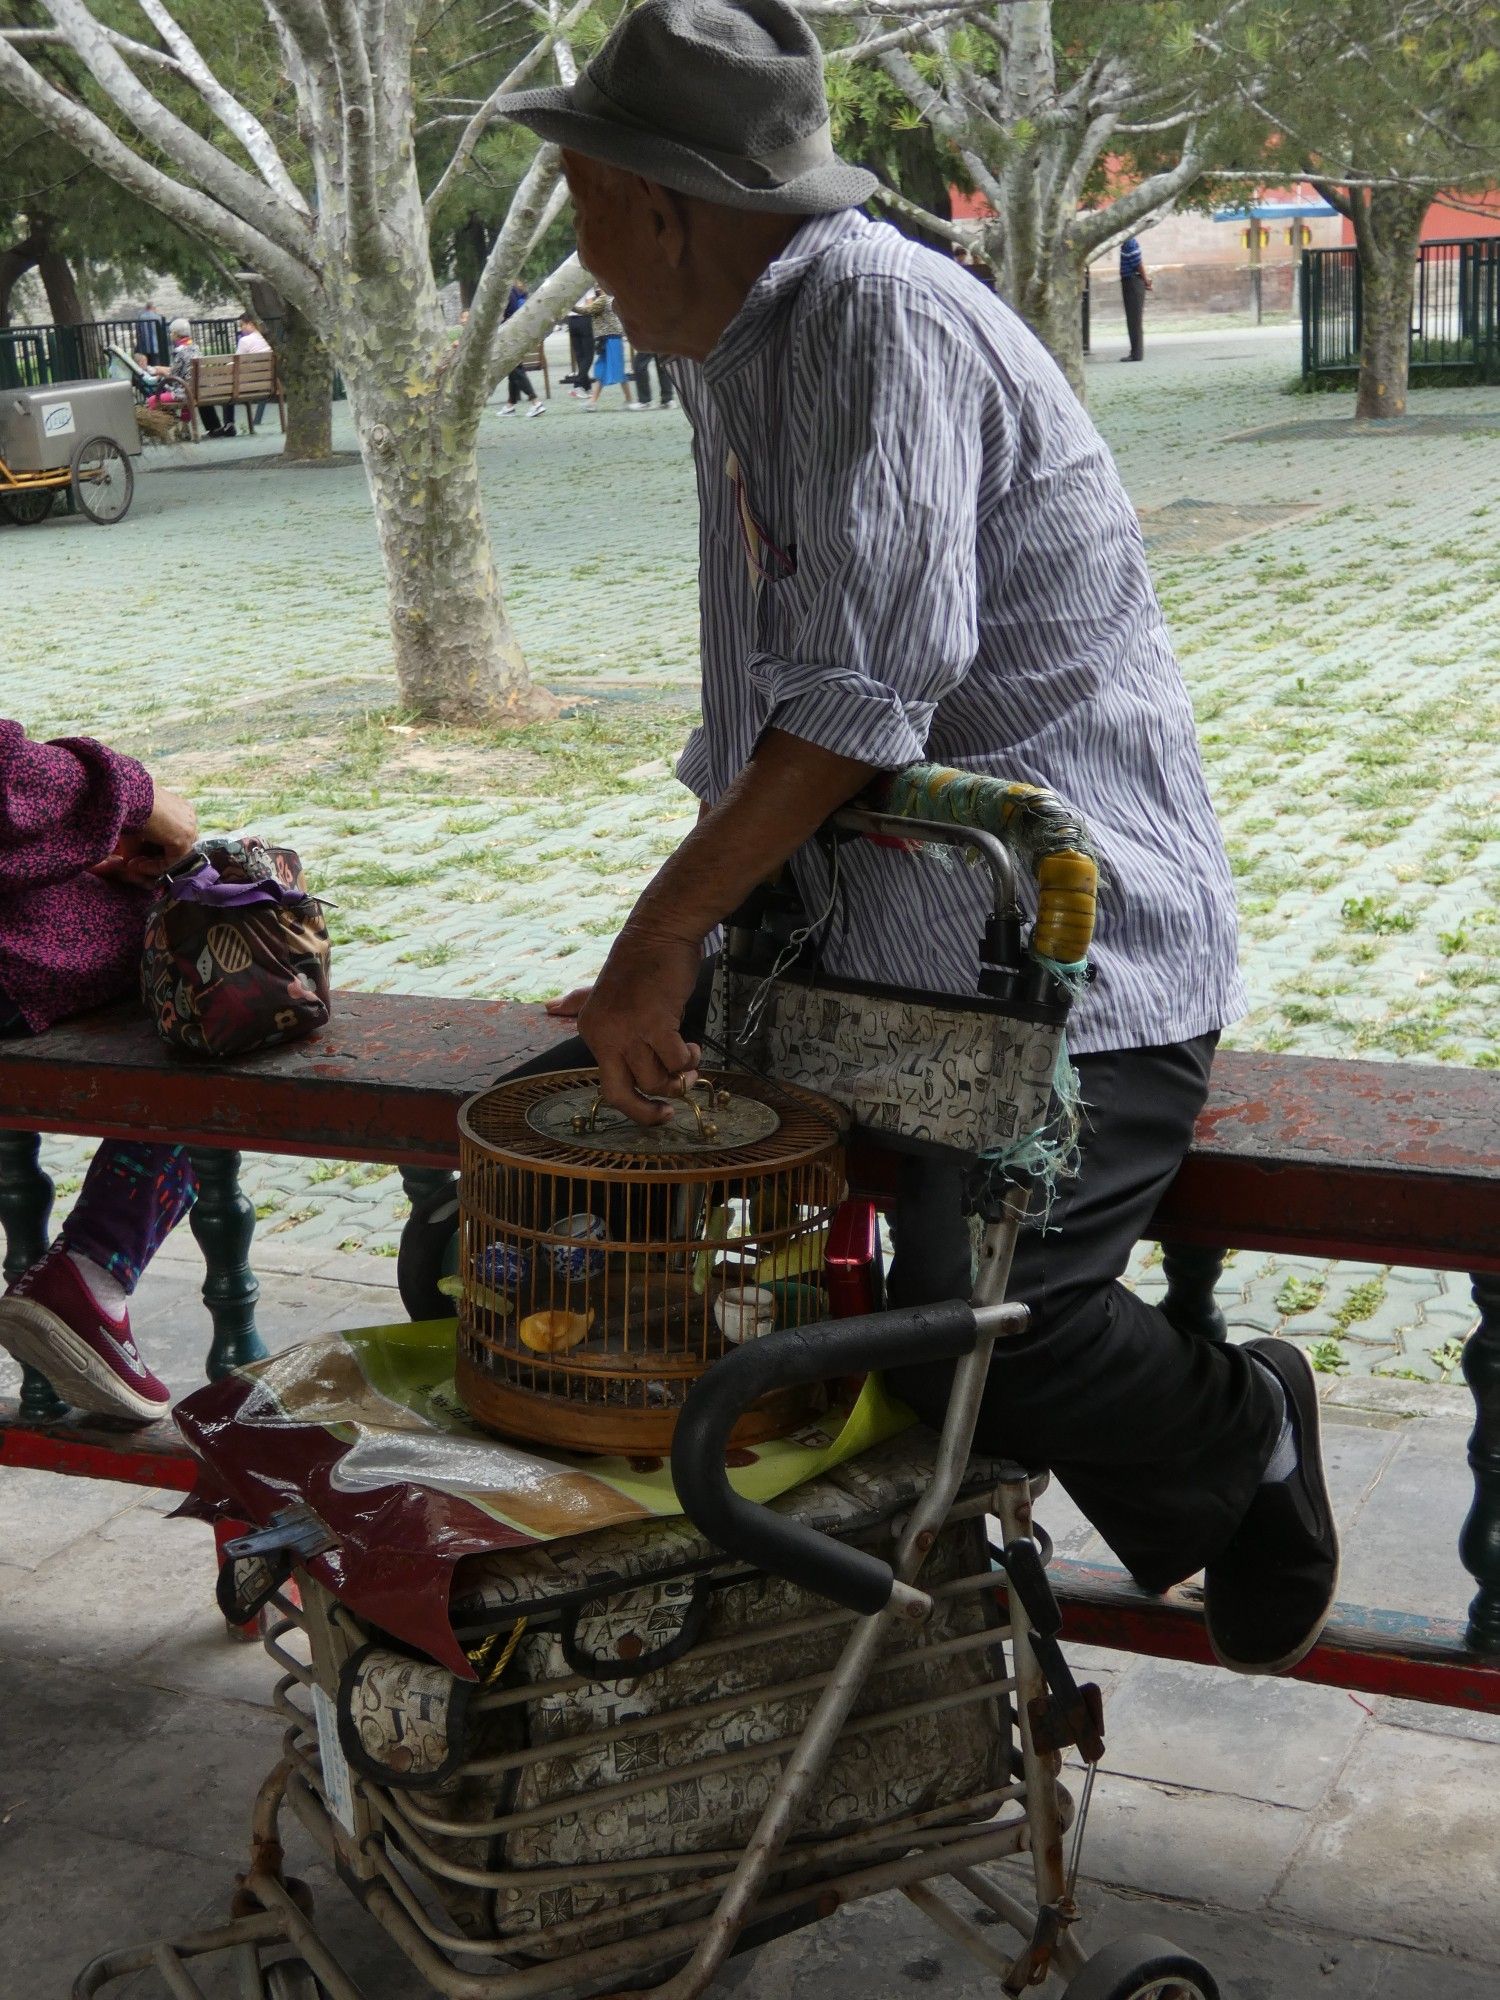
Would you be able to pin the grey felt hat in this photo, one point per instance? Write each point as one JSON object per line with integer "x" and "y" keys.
{"x": 717, "y": 98}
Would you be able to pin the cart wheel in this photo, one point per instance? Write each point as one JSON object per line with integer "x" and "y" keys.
{"x": 1141, "y": 1967}
{"x": 429, "y": 1251}
{"x": 28, "y": 505}
{"x": 292, "y": 1979}
{"x": 103, "y": 480}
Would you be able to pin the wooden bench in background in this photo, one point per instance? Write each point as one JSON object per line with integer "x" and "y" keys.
{"x": 241, "y": 381}
{"x": 1374, "y": 1161}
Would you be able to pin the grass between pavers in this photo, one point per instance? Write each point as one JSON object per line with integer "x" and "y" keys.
{"x": 1343, "y": 667}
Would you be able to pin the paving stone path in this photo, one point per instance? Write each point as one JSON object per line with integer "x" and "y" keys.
{"x": 1331, "y": 595}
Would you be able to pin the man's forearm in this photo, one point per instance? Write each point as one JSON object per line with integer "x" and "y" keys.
{"x": 777, "y": 803}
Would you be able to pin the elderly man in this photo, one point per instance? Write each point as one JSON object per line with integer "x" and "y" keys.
{"x": 914, "y": 544}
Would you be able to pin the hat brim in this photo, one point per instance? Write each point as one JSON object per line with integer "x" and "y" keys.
{"x": 552, "y": 115}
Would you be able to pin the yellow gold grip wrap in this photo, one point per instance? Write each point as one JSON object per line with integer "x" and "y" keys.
{"x": 1067, "y": 888}
{"x": 1036, "y": 825}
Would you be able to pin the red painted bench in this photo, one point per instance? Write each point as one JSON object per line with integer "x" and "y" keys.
{"x": 1375, "y": 1161}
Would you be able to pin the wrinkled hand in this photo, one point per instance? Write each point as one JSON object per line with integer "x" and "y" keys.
{"x": 632, "y": 1023}
{"x": 568, "y": 1006}
{"x": 144, "y": 853}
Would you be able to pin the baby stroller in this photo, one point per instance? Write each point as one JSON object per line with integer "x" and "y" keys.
{"x": 682, "y": 1740}
{"x": 163, "y": 414}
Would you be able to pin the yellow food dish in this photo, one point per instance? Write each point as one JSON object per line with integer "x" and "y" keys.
{"x": 554, "y": 1332}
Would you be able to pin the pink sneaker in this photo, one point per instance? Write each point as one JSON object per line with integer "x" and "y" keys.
{"x": 50, "y": 1319}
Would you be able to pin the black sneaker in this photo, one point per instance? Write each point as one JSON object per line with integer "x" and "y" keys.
{"x": 1267, "y": 1598}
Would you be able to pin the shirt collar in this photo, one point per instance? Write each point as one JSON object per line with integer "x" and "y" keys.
{"x": 781, "y": 277}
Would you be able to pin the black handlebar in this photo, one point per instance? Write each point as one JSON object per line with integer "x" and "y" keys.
{"x": 717, "y": 1400}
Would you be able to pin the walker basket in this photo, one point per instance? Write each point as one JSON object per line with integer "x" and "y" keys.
{"x": 604, "y": 1265}
{"x": 638, "y": 1693}
{"x": 920, "y": 1071}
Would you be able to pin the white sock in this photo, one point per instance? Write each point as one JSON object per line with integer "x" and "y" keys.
{"x": 1283, "y": 1460}
{"x": 109, "y": 1295}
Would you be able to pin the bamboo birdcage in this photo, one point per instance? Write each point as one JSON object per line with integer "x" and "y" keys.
{"x": 604, "y": 1265}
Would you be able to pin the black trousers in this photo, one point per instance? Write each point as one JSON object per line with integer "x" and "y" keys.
{"x": 1133, "y": 291}
{"x": 518, "y": 384}
{"x": 643, "y": 378}
{"x": 581, "y": 340}
{"x": 1159, "y": 1436}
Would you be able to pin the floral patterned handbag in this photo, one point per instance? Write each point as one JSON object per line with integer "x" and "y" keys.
{"x": 236, "y": 955}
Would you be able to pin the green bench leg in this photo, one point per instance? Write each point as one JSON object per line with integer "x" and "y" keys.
{"x": 25, "y": 1205}
{"x": 1479, "y": 1544}
{"x": 1191, "y": 1274}
{"x": 223, "y": 1223}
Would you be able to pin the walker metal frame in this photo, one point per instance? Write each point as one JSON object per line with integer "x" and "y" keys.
{"x": 721, "y": 1900}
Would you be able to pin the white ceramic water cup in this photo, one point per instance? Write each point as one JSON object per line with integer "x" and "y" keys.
{"x": 746, "y": 1314}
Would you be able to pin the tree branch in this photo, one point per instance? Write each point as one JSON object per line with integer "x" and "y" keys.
{"x": 1093, "y": 228}
{"x": 243, "y": 124}
{"x": 351, "y": 59}
{"x": 296, "y": 276}
{"x": 904, "y": 74}
{"x": 469, "y": 379}
{"x": 484, "y": 117}
{"x": 951, "y": 232}
{"x": 55, "y": 38}
{"x": 215, "y": 172}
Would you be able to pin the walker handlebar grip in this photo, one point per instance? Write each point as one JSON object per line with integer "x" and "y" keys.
{"x": 718, "y": 1399}
{"x": 1033, "y": 822}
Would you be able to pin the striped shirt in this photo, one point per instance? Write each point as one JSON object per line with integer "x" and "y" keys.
{"x": 914, "y": 543}
{"x": 1132, "y": 263}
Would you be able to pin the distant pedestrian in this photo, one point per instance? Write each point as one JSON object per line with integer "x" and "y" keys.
{"x": 251, "y": 340}
{"x": 519, "y": 382}
{"x": 151, "y": 338}
{"x": 1134, "y": 285}
{"x": 642, "y": 359}
{"x": 581, "y": 340}
{"x": 609, "y": 349}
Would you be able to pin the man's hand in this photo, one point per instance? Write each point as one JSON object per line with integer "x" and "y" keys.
{"x": 632, "y": 1022}
{"x": 568, "y": 1006}
{"x": 144, "y": 853}
{"x": 632, "y": 1019}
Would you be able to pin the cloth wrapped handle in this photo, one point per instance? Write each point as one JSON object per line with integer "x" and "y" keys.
{"x": 1035, "y": 825}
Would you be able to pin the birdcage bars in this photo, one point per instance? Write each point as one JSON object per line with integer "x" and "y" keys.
{"x": 603, "y": 1268}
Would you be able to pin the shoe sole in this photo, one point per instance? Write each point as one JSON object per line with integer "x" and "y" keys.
{"x": 41, "y": 1340}
{"x": 1308, "y": 1423}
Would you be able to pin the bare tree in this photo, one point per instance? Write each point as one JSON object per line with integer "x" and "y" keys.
{"x": 341, "y": 230}
{"x": 1032, "y": 109}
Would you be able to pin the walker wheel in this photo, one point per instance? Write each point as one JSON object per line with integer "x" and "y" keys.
{"x": 291, "y": 1979}
{"x": 1141, "y": 1967}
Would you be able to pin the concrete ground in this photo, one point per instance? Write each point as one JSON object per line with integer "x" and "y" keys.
{"x": 1304, "y": 1841}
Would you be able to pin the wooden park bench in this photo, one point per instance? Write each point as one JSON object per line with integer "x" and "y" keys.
{"x": 242, "y": 381}
{"x": 1372, "y": 1161}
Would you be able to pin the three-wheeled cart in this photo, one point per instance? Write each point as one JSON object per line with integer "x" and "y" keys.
{"x": 77, "y": 438}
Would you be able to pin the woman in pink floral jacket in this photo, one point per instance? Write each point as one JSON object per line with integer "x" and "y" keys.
{"x": 83, "y": 834}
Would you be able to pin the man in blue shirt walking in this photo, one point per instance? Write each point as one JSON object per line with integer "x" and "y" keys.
{"x": 1134, "y": 285}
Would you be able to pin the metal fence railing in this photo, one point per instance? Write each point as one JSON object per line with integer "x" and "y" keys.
{"x": 33, "y": 356}
{"x": 1455, "y": 308}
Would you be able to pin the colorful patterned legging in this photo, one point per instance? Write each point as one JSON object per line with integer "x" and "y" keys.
{"x": 133, "y": 1197}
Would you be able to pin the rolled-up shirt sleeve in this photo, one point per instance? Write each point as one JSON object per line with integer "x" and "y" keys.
{"x": 895, "y": 418}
